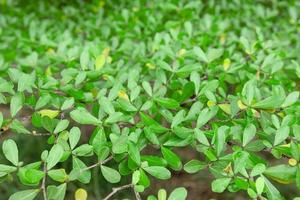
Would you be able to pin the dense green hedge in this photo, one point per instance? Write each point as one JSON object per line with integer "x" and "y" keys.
{"x": 116, "y": 89}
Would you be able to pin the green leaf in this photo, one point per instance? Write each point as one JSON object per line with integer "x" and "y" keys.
{"x": 290, "y": 99}
{"x": 260, "y": 184}
{"x": 248, "y": 134}
{"x": 134, "y": 153}
{"x": 83, "y": 150}
{"x": 82, "y": 176}
{"x": 1, "y": 119}
{"x": 120, "y": 145}
{"x": 59, "y": 175}
{"x": 43, "y": 101}
{"x": 200, "y": 136}
{"x": 162, "y": 194}
{"x": 158, "y": 172}
{"x": 194, "y": 166}
{"x": 178, "y": 118}
{"x": 62, "y": 125}
{"x": 167, "y": 103}
{"x": 10, "y": 151}
{"x": 135, "y": 177}
{"x": 178, "y": 194}
{"x": 57, "y": 192}
{"x": 172, "y": 159}
{"x": 298, "y": 177}
{"x": 281, "y": 134}
{"x": 206, "y": 115}
{"x": 16, "y": 103}
{"x": 54, "y": 156}
{"x": 200, "y": 54}
{"x": 7, "y": 169}
{"x": 106, "y": 105}
{"x": 110, "y": 174}
{"x": 272, "y": 192}
{"x": 25, "y": 195}
{"x": 147, "y": 87}
{"x": 220, "y": 139}
{"x": 258, "y": 169}
{"x": 281, "y": 173}
{"x": 272, "y": 102}
{"x": 68, "y": 103}
{"x": 82, "y": 116}
{"x": 220, "y": 184}
{"x": 74, "y": 137}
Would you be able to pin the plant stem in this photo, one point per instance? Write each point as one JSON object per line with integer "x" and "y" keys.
{"x": 97, "y": 164}
{"x": 117, "y": 189}
{"x": 43, "y": 186}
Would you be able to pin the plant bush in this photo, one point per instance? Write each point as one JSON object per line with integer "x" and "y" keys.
{"x": 116, "y": 90}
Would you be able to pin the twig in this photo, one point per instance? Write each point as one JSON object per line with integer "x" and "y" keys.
{"x": 97, "y": 164}
{"x": 137, "y": 195}
{"x": 43, "y": 186}
{"x": 117, "y": 189}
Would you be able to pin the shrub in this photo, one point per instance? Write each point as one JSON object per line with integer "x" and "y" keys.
{"x": 118, "y": 89}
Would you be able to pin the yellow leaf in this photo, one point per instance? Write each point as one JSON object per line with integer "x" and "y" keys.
{"x": 225, "y": 107}
{"x": 286, "y": 145}
{"x": 222, "y": 38}
{"x": 80, "y": 194}
{"x": 48, "y": 71}
{"x": 150, "y": 65}
{"x": 255, "y": 113}
{"x": 241, "y": 105}
{"x": 101, "y": 59}
{"x": 228, "y": 169}
{"x": 271, "y": 110}
{"x": 50, "y": 113}
{"x": 181, "y": 52}
{"x": 226, "y": 64}
{"x": 50, "y": 51}
{"x": 281, "y": 114}
{"x": 122, "y": 94}
{"x": 292, "y": 162}
{"x": 210, "y": 103}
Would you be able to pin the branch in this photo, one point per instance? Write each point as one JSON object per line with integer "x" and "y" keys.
{"x": 97, "y": 164}
{"x": 137, "y": 195}
{"x": 43, "y": 186}
{"x": 117, "y": 189}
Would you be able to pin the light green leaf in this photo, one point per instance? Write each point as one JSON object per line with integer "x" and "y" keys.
{"x": 281, "y": 134}
{"x": 248, "y": 134}
{"x": 110, "y": 174}
{"x": 220, "y": 184}
{"x": 290, "y": 99}
{"x": 54, "y": 156}
{"x": 260, "y": 184}
{"x": 62, "y": 125}
{"x": 16, "y": 103}
{"x": 74, "y": 137}
{"x": 167, "y": 103}
{"x": 25, "y": 195}
{"x": 134, "y": 152}
{"x": 10, "y": 151}
{"x": 106, "y": 104}
{"x": 68, "y": 103}
{"x": 178, "y": 194}
{"x": 194, "y": 166}
{"x": 82, "y": 116}
{"x": 172, "y": 159}
{"x": 158, "y": 172}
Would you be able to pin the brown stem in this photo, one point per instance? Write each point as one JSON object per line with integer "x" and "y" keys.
{"x": 97, "y": 164}
{"x": 43, "y": 186}
{"x": 117, "y": 189}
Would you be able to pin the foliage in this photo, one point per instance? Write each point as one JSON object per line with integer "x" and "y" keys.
{"x": 102, "y": 82}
